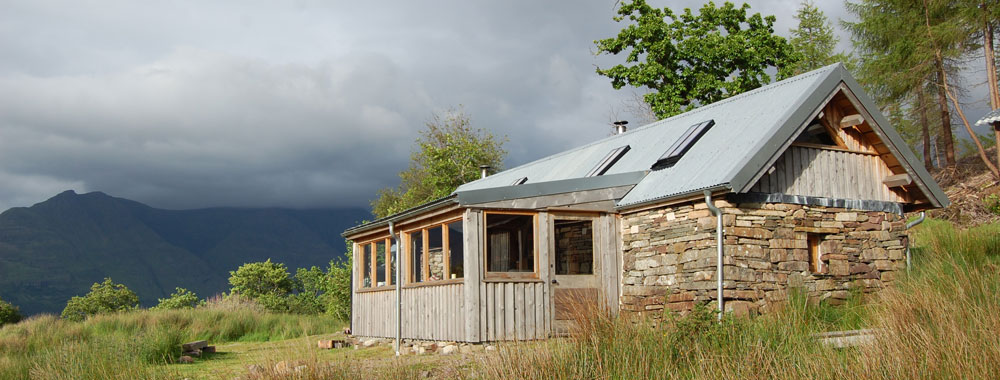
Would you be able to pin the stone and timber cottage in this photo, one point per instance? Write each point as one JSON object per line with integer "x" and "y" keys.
{"x": 810, "y": 180}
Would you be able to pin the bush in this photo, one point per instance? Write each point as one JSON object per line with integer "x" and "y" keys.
{"x": 9, "y": 313}
{"x": 180, "y": 299}
{"x": 256, "y": 279}
{"x": 992, "y": 203}
{"x": 338, "y": 292}
{"x": 104, "y": 297}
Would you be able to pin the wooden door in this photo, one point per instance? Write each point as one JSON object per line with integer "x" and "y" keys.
{"x": 576, "y": 268}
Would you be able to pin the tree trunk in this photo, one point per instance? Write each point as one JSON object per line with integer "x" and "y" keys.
{"x": 991, "y": 76}
{"x": 945, "y": 136}
{"x": 925, "y": 129}
{"x": 975, "y": 139}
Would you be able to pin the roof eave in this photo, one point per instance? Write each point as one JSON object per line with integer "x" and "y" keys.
{"x": 384, "y": 222}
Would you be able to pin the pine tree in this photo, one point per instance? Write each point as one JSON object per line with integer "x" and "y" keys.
{"x": 814, "y": 40}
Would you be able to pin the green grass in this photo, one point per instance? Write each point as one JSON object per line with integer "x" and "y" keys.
{"x": 137, "y": 344}
{"x": 939, "y": 321}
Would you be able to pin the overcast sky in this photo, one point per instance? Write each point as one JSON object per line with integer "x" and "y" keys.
{"x": 187, "y": 104}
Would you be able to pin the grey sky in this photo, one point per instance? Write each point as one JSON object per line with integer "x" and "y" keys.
{"x": 187, "y": 104}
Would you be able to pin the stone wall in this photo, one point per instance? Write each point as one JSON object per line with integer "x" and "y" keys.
{"x": 670, "y": 255}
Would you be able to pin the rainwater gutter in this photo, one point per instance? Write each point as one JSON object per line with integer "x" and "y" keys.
{"x": 399, "y": 306}
{"x": 910, "y": 225}
{"x": 718, "y": 243}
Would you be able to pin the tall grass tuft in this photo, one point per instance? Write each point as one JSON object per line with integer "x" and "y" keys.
{"x": 134, "y": 344}
{"x": 938, "y": 322}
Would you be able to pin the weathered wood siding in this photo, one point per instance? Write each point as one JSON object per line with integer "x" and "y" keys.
{"x": 515, "y": 311}
{"x": 429, "y": 313}
{"x": 828, "y": 173}
{"x": 374, "y": 314}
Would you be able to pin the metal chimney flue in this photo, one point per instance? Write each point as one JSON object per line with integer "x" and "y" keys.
{"x": 620, "y": 126}
{"x": 484, "y": 170}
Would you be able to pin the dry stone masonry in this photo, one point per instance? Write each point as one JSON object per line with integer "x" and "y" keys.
{"x": 670, "y": 255}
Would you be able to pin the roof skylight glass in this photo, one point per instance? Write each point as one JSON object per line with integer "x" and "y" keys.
{"x": 608, "y": 161}
{"x": 683, "y": 144}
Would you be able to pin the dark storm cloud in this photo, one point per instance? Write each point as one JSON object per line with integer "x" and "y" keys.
{"x": 299, "y": 104}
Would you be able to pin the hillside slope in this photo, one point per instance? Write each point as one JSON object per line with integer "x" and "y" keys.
{"x": 55, "y": 249}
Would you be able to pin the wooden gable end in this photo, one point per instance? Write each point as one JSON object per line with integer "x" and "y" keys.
{"x": 853, "y": 163}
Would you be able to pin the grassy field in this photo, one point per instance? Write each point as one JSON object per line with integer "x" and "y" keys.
{"x": 939, "y": 321}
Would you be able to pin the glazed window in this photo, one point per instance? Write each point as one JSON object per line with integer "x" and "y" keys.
{"x": 510, "y": 243}
{"x": 574, "y": 246}
{"x": 366, "y": 266}
{"x": 417, "y": 256}
{"x": 456, "y": 251}
{"x": 376, "y": 266}
{"x": 435, "y": 253}
{"x": 380, "y": 263}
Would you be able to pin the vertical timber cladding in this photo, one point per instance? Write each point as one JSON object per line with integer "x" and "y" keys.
{"x": 515, "y": 309}
{"x": 829, "y": 173}
{"x": 669, "y": 255}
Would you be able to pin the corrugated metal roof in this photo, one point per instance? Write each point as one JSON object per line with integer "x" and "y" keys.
{"x": 992, "y": 117}
{"x": 749, "y": 130}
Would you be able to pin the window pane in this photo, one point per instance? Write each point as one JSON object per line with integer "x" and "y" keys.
{"x": 392, "y": 264}
{"x": 435, "y": 253}
{"x": 417, "y": 256}
{"x": 380, "y": 263}
{"x": 574, "y": 247}
{"x": 456, "y": 252}
{"x": 510, "y": 243}
{"x": 366, "y": 266}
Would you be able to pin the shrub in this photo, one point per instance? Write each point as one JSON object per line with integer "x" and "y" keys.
{"x": 338, "y": 292}
{"x": 9, "y": 313}
{"x": 104, "y": 297}
{"x": 992, "y": 203}
{"x": 180, "y": 299}
{"x": 256, "y": 279}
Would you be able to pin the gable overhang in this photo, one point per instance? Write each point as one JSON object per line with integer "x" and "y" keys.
{"x": 798, "y": 118}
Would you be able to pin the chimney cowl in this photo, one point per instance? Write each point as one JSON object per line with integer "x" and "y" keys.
{"x": 484, "y": 170}
{"x": 620, "y": 126}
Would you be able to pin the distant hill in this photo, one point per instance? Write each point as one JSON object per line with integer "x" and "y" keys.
{"x": 56, "y": 249}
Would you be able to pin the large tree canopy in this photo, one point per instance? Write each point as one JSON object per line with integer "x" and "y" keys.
{"x": 449, "y": 153}
{"x": 693, "y": 59}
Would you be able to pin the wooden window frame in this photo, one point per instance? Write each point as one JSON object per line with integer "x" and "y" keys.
{"x": 489, "y": 276}
{"x": 445, "y": 251}
{"x": 373, "y": 267}
{"x": 816, "y": 263}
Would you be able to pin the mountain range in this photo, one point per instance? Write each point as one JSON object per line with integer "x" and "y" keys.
{"x": 56, "y": 249}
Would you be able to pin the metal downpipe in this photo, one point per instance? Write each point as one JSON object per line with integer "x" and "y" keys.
{"x": 718, "y": 237}
{"x": 910, "y": 225}
{"x": 399, "y": 306}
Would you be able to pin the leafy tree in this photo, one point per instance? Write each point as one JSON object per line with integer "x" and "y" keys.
{"x": 338, "y": 295}
{"x": 814, "y": 40}
{"x": 255, "y": 280}
{"x": 310, "y": 286}
{"x": 180, "y": 299}
{"x": 449, "y": 153}
{"x": 9, "y": 313}
{"x": 104, "y": 297}
{"x": 693, "y": 59}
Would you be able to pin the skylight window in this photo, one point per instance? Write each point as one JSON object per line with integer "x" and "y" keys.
{"x": 608, "y": 161}
{"x": 683, "y": 144}
{"x": 519, "y": 181}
